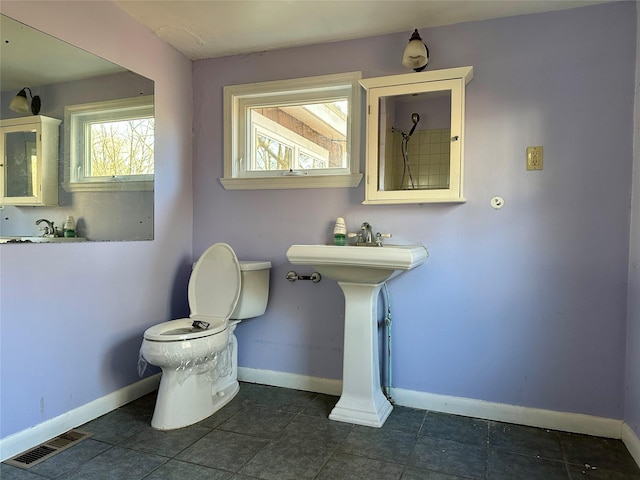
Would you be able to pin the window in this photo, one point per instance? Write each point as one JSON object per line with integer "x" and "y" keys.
{"x": 110, "y": 145}
{"x": 293, "y": 133}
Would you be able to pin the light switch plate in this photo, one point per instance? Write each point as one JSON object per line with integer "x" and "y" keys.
{"x": 534, "y": 158}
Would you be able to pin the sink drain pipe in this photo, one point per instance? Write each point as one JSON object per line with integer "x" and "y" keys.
{"x": 387, "y": 357}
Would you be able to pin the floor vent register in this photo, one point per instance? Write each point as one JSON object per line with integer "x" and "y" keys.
{"x": 46, "y": 450}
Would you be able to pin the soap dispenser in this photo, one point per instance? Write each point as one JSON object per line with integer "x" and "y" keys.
{"x": 339, "y": 232}
{"x": 69, "y": 227}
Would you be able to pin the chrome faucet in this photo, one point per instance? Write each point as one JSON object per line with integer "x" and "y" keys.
{"x": 49, "y": 229}
{"x": 367, "y": 235}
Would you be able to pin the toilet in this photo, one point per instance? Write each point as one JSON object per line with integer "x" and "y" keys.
{"x": 199, "y": 355}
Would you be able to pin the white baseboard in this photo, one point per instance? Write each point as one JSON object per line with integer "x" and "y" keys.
{"x": 535, "y": 417}
{"x": 564, "y": 421}
{"x": 294, "y": 381}
{"x": 632, "y": 442}
{"x": 19, "y": 442}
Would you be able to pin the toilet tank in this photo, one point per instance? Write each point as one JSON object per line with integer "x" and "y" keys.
{"x": 254, "y": 291}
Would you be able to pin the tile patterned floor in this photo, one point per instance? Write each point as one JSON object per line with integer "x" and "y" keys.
{"x": 272, "y": 433}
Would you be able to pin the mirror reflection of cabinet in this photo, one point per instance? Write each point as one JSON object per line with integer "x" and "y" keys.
{"x": 415, "y": 136}
{"x": 29, "y": 168}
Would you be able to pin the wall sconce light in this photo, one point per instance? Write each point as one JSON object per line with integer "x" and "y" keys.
{"x": 20, "y": 104}
{"x": 416, "y": 54}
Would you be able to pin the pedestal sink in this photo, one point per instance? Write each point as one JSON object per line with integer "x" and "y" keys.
{"x": 360, "y": 272}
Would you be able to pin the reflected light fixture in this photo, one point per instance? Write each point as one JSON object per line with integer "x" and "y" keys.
{"x": 20, "y": 104}
{"x": 416, "y": 54}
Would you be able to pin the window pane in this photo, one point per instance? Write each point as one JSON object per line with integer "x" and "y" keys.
{"x": 313, "y": 133}
{"x": 272, "y": 155}
{"x": 121, "y": 148}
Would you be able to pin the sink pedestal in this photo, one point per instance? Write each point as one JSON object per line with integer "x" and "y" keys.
{"x": 360, "y": 272}
{"x": 362, "y": 401}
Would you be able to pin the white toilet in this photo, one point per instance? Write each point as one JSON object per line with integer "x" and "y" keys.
{"x": 200, "y": 364}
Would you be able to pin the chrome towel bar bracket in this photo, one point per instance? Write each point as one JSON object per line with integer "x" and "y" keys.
{"x": 293, "y": 276}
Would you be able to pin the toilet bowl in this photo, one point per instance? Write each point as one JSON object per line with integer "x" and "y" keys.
{"x": 198, "y": 355}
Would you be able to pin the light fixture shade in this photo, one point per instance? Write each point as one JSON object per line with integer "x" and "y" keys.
{"x": 20, "y": 104}
{"x": 416, "y": 54}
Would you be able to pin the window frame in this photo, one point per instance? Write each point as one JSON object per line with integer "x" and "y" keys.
{"x": 76, "y": 119}
{"x": 238, "y": 99}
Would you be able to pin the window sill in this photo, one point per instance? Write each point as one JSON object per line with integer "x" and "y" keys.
{"x": 285, "y": 182}
{"x": 145, "y": 186}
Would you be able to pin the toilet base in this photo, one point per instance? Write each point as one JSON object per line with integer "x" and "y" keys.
{"x": 182, "y": 404}
{"x": 177, "y": 411}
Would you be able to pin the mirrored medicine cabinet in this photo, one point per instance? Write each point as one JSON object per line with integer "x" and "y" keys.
{"x": 415, "y": 137}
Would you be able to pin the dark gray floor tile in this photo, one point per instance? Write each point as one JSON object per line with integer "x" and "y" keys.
{"x": 455, "y": 427}
{"x": 274, "y": 397}
{"x": 166, "y": 443}
{"x": 68, "y": 460}
{"x": 320, "y": 406}
{"x": 258, "y": 422}
{"x": 8, "y": 472}
{"x": 222, "y": 415}
{"x": 408, "y": 420}
{"x": 223, "y": 450}
{"x": 602, "y": 453}
{"x": 176, "y": 470}
{"x": 143, "y": 405}
{"x": 527, "y": 440}
{"x": 350, "y": 467}
{"x": 270, "y": 433}
{"x": 118, "y": 463}
{"x": 414, "y": 473}
{"x": 286, "y": 461}
{"x": 315, "y": 432}
{"x": 449, "y": 457}
{"x": 587, "y": 472}
{"x": 503, "y": 465}
{"x": 381, "y": 444}
{"x": 117, "y": 426}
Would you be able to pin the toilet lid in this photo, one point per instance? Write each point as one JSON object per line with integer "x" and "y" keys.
{"x": 182, "y": 329}
{"x": 214, "y": 286}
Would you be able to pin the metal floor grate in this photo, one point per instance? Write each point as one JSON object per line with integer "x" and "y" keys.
{"x": 45, "y": 450}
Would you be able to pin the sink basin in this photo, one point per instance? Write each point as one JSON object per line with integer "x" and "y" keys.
{"x": 360, "y": 272}
{"x": 41, "y": 239}
{"x": 370, "y": 265}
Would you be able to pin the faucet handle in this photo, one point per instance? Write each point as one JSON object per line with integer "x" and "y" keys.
{"x": 380, "y": 236}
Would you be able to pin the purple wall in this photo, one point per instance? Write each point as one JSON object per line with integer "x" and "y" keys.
{"x": 526, "y": 305}
{"x": 72, "y": 315}
{"x": 632, "y": 399}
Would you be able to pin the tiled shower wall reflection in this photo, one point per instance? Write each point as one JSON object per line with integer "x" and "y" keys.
{"x": 428, "y": 156}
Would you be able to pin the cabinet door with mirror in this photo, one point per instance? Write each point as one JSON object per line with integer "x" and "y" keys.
{"x": 29, "y": 168}
{"x": 415, "y": 137}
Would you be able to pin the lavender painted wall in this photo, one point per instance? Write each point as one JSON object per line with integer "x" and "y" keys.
{"x": 72, "y": 316}
{"x": 526, "y": 305}
{"x": 632, "y": 398}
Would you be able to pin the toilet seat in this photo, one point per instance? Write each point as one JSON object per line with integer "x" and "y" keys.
{"x": 214, "y": 289}
{"x": 214, "y": 286}
{"x": 182, "y": 329}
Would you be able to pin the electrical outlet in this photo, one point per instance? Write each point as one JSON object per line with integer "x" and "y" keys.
{"x": 534, "y": 158}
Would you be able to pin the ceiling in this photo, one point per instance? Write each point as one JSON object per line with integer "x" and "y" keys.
{"x": 214, "y": 28}
{"x": 31, "y": 58}
{"x": 217, "y": 28}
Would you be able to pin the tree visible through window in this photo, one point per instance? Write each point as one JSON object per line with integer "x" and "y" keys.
{"x": 121, "y": 148}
